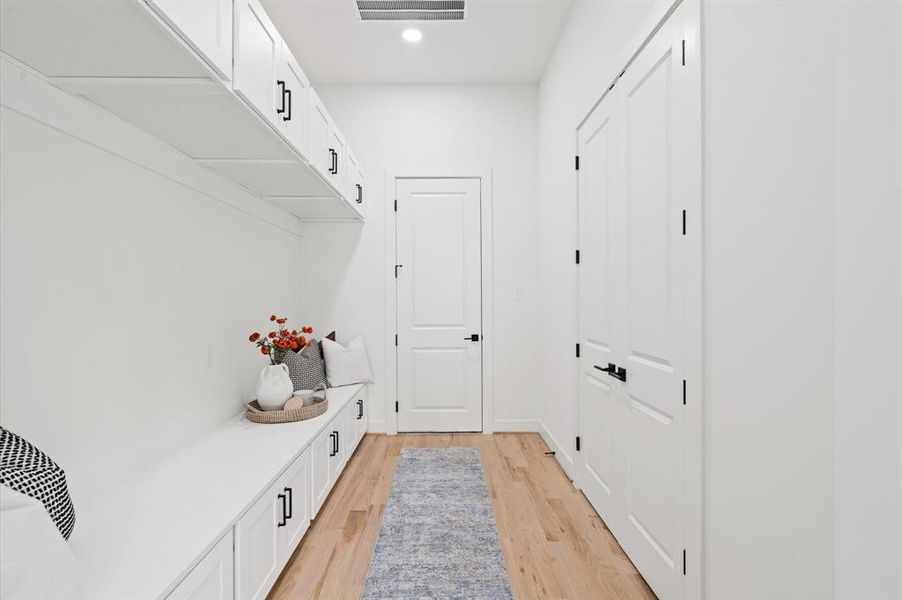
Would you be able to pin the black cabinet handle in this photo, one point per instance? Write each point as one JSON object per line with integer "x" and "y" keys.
{"x": 332, "y": 452}
{"x": 334, "y": 168}
{"x": 287, "y": 117}
{"x": 359, "y": 194}
{"x": 337, "y": 443}
{"x": 281, "y": 85}
{"x": 359, "y": 409}
{"x": 284, "y": 519}
{"x": 611, "y": 368}
{"x": 290, "y": 503}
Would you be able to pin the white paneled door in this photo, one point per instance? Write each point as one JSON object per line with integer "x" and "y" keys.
{"x": 639, "y": 177}
{"x": 439, "y": 290}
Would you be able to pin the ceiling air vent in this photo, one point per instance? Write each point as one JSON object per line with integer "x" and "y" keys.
{"x": 411, "y": 10}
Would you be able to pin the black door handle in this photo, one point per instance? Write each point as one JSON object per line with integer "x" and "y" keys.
{"x": 284, "y": 519}
{"x": 359, "y": 409}
{"x": 359, "y": 194}
{"x": 473, "y": 338}
{"x": 334, "y": 168}
{"x": 288, "y": 116}
{"x": 614, "y": 371}
{"x": 290, "y": 503}
{"x": 332, "y": 452}
{"x": 281, "y": 85}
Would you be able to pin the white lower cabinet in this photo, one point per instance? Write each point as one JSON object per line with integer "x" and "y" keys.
{"x": 257, "y": 545}
{"x": 360, "y": 419}
{"x": 322, "y": 451}
{"x": 296, "y": 487}
{"x": 246, "y": 562}
{"x": 213, "y": 578}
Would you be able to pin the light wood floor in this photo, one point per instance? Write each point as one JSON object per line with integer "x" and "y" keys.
{"x": 555, "y": 546}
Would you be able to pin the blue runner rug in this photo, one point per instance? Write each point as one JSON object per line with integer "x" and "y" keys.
{"x": 438, "y": 537}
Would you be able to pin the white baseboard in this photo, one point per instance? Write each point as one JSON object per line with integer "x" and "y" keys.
{"x": 563, "y": 458}
{"x": 516, "y": 425}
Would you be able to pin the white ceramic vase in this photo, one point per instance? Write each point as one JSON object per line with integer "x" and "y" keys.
{"x": 274, "y": 387}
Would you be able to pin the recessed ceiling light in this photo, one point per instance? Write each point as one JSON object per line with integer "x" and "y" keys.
{"x": 412, "y": 36}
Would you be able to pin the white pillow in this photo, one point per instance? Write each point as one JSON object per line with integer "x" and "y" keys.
{"x": 347, "y": 364}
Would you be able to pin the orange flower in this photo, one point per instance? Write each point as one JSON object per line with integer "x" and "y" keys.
{"x": 281, "y": 321}
{"x": 264, "y": 349}
{"x": 254, "y": 337}
{"x": 293, "y": 345}
{"x": 303, "y": 341}
{"x": 272, "y": 317}
{"x": 272, "y": 335}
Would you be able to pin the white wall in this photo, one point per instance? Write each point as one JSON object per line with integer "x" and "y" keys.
{"x": 121, "y": 263}
{"x": 801, "y": 283}
{"x": 480, "y": 127}
{"x": 868, "y": 303}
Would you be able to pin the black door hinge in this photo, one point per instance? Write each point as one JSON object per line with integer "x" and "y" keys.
{"x": 577, "y": 257}
{"x": 684, "y": 392}
{"x": 396, "y": 205}
{"x": 577, "y": 349}
{"x": 684, "y": 561}
{"x": 577, "y": 162}
{"x": 684, "y": 53}
{"x": 396, "y": 406}
{"x": 396, "y": 339}
{"x": 577, "y": 443}
{"x": 684, "y": 221}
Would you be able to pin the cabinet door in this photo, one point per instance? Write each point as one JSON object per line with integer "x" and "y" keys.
{"x": 321, "y": 459}
{"x": 296, "y": 486}
{"x": 295, "y": 120}
{"x": 361, "y": 419}
{"x": 320, "y": 133}
{"x": 257, "y": 50}
{"x": 356, "y": 182}
{"x": 337, "y": 428}
{"x": 206, "y": 25}
{"x": 257, "y": 545}
{"x": 339, "y": 172}
{"x": 212, "y": 578}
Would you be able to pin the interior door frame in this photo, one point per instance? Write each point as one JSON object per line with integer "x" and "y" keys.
{"x": 391, "y": 292}
{"x": 694, "y": 358}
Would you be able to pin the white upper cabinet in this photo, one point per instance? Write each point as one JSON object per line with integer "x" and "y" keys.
{"x": 258, "y": 47}
{"x": 204, "y": 24}
{"x": 212, "y": 78}
{"x": 356, "y": 183}
{"x": 320, "y": 133}
{"x": 295, "y": 119}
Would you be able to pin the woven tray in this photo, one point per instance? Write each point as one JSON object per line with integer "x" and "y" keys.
{"x": 257, "y": 415}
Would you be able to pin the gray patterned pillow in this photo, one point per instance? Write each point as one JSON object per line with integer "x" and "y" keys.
{"x": 307, "y": 368}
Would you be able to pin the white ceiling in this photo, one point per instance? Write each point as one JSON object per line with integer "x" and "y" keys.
{"x": 498, "y": 41}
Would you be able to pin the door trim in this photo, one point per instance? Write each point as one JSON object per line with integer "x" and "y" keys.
{"x": 391, "y": 298}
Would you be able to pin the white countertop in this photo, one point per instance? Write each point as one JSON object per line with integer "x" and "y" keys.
{"x": 143, "y": 537}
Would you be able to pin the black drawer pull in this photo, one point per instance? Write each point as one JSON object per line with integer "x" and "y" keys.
{"x": 290, "y": 503}
{"x": 333, "y": 451}
{"x": 284, "y": 518}
{"x": 281, "y": 85}
{"x": 287, "y": 117}
{"x": 359, "y": 194}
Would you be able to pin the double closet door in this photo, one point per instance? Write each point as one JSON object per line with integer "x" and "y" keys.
{"x": 639, "y": 184}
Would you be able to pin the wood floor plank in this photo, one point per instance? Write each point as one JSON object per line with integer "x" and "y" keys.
{"x": 555, "y": 545}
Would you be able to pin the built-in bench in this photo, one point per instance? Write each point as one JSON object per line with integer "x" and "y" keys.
{"x": 245, "y": 491}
